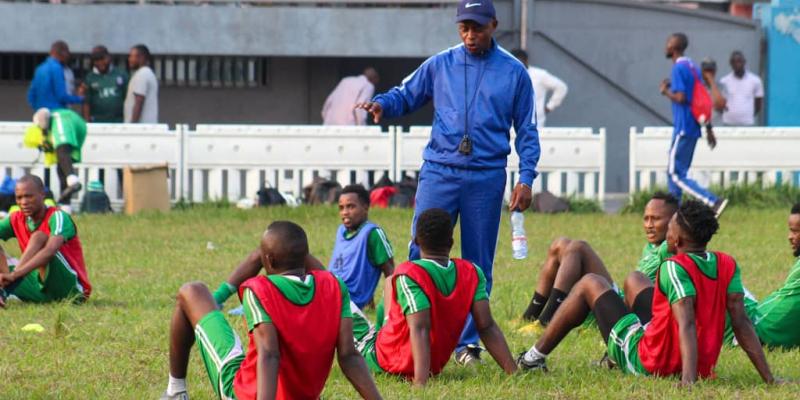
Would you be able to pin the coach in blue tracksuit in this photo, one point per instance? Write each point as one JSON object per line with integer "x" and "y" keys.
{"x": 679, "y": 89}
{"x": 479, "y": 91}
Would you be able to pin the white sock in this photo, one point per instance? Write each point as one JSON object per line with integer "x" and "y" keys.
{"x": 176, "y": 385}
{"x": 533, "y": 355}
{"x": 72, "y": 179}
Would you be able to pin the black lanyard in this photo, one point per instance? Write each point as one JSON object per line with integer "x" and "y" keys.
{"x": 465, "y": 147}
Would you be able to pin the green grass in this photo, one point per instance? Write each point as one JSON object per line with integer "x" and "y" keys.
{"x": 115, "y": 346}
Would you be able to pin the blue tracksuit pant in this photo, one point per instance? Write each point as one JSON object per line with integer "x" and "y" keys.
{"x": 477, "y": 197}
{"x": 680, "y": 159}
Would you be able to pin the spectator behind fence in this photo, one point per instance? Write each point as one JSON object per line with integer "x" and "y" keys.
{"x": 543, "y": 83}
{"x": 141, "y": 101}
{"x": 744, "y": 91}
{"x": 339, "y": 106}
{"x": 49, "y": 87}
{"x": 105, "y": 89}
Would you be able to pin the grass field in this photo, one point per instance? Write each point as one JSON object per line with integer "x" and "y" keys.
{"x": 115, "y": 346}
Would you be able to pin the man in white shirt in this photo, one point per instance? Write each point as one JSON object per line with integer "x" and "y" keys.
{"x": 744, "y": 93}
{"x": 141, "y": 101}
{"x": 543, "y": 83}
{"x": 339, "y": 107}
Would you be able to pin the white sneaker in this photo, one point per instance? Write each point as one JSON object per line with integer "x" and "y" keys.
{"x": 177, "y": 396}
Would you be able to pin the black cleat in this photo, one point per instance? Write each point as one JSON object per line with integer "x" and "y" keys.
{"x": 606, "y": 362}
{"x": 469, "y": 355}
{"x": 719, "y": 207}
{"x": 66, "y": 195}
{"x": 538, "y": 364}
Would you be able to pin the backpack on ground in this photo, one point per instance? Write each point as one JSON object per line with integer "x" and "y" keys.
{"x": 548, "y": 203}
{"x": 322, "y": 191}
{"x": 268, "y": 196}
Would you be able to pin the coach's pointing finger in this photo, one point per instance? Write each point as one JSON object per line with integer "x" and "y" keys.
{"x": 373, "y": 108}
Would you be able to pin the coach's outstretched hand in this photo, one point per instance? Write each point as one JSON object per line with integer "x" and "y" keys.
{"x": 520, "y": 198}
{"x": 373, "y": 108}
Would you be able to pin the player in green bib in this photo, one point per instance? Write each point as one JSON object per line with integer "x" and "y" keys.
{"x": 269, "y": 367}
{"x": 106, "y": 87}
{"x": 569, "y": 260}
{"x": 775, "y": 318}
{"x": 60, "y": 134}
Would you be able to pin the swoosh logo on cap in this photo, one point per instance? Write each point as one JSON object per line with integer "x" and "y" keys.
{"x": 470, "y": 5}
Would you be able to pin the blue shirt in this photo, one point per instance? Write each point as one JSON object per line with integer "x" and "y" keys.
{"x": 498, "y": 93}
{"x": 350, "y": 262}
{"x": 48, "y": 88}
{"x": 682, "y": 80}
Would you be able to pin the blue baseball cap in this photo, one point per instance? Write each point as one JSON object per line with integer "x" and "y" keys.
{"x": 480, "y": 11}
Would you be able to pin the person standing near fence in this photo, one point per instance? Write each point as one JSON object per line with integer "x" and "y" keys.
{"x": 141, "y": 101}
{"x": 49, "y": 88}
{"x": 479, "y": 91}
{"x": 338, "y": 108}
{"x": 744, "y": 91}
{"x": 544, "y": 83}
{"x": 105, "y": 89}
{"x": 679, "y": 90}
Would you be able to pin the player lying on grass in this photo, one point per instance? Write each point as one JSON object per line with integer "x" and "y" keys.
{"x": 361, "y": 250}
{"x": 427, "y": 303}
{"x": 569, "y": 260}
{"x": 296, "y": 321}
{"x": 51, "y": 267}
{"x": 694, "y": 289}
{"x": 776, "y": 317}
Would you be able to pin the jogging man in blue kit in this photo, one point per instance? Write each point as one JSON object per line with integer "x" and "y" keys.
{"x": 679, "y": 89}
{"x": 479, "y": 91}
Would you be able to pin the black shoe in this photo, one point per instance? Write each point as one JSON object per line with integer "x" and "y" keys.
{"x": 538, "y": 364}
{"x": 719, "y": 207}
{"x": 66, "y": 195}
{"x": 469, "y": 355}
{"x": 606, "y": 362}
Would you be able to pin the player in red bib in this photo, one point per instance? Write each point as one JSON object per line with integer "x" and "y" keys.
{"x": 428, "y": 301}
{"x": 693, "y": 291}
{"x": 51, "y": 267}
{"x": 296, "y": 321}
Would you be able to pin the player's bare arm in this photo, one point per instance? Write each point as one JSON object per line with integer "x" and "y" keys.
{"x": 746, "y": 336}
{"x": 683, "y": 310}
{"x": 38, "y": 260}
{"x": 388, "y": 268}
{"x": 352, "y": 363}
{"x": 419, "y": 325}
{"x": 492, "y": 337}
{"x": 265, "y": 338}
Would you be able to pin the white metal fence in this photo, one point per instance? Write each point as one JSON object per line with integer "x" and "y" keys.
{"x": 743, "y": 155}
{"x": 233, "y": 161}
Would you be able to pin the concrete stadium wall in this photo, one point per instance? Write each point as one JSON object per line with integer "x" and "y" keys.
{"x": 611, "y": 54}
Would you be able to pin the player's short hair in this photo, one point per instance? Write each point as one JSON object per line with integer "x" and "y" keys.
{"x": 59, "y": 46}
{"x": 291, "y": 245}
{"x": 32, "y": 179}
{"x": 683, "y": 41}
{"x": 737, "y": 53}
{"x": 667, "y": 198}
{"x": 796, "y": 208}
{"x": 359, "y": 191}
{"x": 698, "y": 221}
{"x": 144, "y": 51}
{"x": 519, "y": 53}
{"x": 434, "y": 229}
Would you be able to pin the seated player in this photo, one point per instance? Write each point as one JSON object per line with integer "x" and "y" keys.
{"x": 296, "y": 321}
{"x": 427, "y": 303}
{"x": 361, "y": 250}
{"x": 695, "y": 289}
{"x": 775, "y": 318}
{"x": 569, "y": 260}
{"x": 51, "y": 267}
{"x": 60, "y": 134}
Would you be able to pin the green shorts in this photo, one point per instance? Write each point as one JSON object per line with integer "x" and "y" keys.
{"x": 623, "y": 344}
{"x": 365, "y": 335}
{"x": 221, "y": 351}
{"x": 59, "y": 283}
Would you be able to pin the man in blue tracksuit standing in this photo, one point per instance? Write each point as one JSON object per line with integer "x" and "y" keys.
{"x": 679, "y": 89}
{"x": 479, "y": 90}
{"x": 48, "y": 88}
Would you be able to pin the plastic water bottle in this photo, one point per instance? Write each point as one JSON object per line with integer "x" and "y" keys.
{"x": 519, "y": 243}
